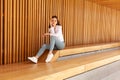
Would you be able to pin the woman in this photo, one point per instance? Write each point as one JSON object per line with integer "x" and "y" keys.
{"x": 56, "y": 40}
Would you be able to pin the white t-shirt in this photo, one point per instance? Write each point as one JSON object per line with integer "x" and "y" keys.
{"x": 57, "y": 31}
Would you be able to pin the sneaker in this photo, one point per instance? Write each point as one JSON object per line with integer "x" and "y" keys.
{"x": 49, "y": 58}
{"x": 33, "y": 59}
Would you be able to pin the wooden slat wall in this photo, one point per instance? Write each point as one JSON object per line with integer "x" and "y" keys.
{"x": 101, "y": 24}
{"x": 26, "y": 20}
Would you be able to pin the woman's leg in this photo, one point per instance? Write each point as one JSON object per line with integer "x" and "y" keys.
{"x": 52, "y": 45}
{"x": 60, "y": 45}
{"x": 41, "y": 51}
{"x": 54, "y": 42}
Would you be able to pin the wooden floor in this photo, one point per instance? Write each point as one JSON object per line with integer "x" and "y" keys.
{"x": 57, "y": 70}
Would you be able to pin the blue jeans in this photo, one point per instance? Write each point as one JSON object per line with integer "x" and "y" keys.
{"x": 54, "y": 44}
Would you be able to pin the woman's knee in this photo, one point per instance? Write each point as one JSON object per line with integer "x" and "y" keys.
{"x": 44, "y": 45}
{"x": 61, "y": 47}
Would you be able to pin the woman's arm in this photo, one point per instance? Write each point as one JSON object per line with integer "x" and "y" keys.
{"x": 50, "y": 30}
{"x": 59, "y": 31}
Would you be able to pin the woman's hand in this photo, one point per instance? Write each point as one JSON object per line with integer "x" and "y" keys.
{"x": 45, "y": 34}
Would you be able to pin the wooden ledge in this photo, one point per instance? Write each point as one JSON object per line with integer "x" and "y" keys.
{"x": 86, "y": 48}
{"x": 80, "y": 49}
{"x": 58, "y": 70}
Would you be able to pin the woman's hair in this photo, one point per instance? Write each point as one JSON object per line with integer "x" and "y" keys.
{"x": 58, "y": 23}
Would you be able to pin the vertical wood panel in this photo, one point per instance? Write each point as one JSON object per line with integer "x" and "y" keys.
{"x": 14, "y": 30}
{"x": 10, "y": 32}
{"x": 26, "y": 30}
{"x": 5, "y": 31}
{"x": 18, "y": 27}
{"x": 1, "y": 31}
{"x": 21, "y": 31}
{"x": 34, "y": 41}
{"x": 113, "y": 29}
{"x": 117, "y": 26}
{"x": 87, "y": 21}
{"x": 78, "y": 22}
{"x": 29, "y": 25}
{"x": 47, "y": 18}
{"x": 42, "y": 19}
{"x": 35, "y": 24}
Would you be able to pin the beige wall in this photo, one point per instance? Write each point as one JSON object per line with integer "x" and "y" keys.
{"x": 25, "y": 20}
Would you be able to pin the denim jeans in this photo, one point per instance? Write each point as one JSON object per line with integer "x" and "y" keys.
{"x": 55, "y": 44}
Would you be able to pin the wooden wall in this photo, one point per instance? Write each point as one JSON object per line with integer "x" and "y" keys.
{"x": 25, "y": 20}
{"x": 101, "y": 24}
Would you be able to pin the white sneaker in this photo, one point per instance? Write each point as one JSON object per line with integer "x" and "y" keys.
{"x": 49, "y": 58}
{"x": 33, "y": 59}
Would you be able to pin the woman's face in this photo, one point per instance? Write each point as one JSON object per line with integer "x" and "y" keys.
{"x": 53, "y": 22}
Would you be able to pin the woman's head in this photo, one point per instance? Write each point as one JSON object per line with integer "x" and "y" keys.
{"x": 54, "y": 21}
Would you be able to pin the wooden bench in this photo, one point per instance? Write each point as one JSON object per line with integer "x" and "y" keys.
{"x": 58, "y": 70}
{"x": 79, "y": 49}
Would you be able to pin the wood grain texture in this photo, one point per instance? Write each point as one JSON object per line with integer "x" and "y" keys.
{"x": 24, "y": 22}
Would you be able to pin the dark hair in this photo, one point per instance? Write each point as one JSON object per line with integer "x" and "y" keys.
{"x": 58, "y": 23}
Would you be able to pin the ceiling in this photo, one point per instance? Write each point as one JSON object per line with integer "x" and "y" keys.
{"x": 109, "y": 3}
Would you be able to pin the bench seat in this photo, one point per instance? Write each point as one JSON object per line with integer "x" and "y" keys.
{"x": 58, "y": 70}
{"x": 79, "y": 49}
